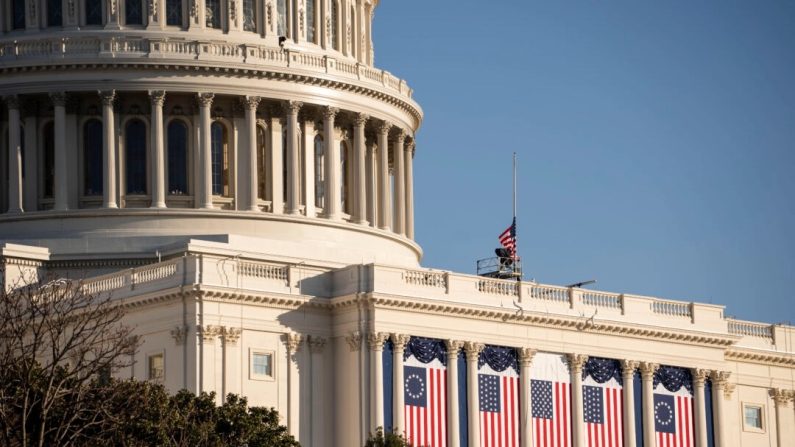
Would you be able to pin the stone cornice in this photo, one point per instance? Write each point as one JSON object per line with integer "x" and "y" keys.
{"x": 761, "y": 357}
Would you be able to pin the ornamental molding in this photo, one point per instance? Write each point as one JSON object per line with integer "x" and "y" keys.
{"x": 58, "y": 99}
{"x": 628, "y": 367}
{"x": 208, "y": 333}
{"x": 647, "y": 370}
{"x": 781, "y": 396}
{"x": 360, "y": 119}
{"x": 329, "y": 113}
{"x": 107, "y": 97}
{"x": 473, "y": 350}
{"x": 576, "y": 362}
{"x": 205, "y": 99}
{"x": 231, "y": 335}
{"x": 526, "y": 356}
{"x": 70, "y": 7}
{"x": 179, "y": 334}
{"x": 12, "y": 101}
{"x": 316, "y": 344}
{"x": 376, "y": 340}
{"x": 399, "y": 342}
{"x": 292, "y": 107}
{"x": 157, "y": 97}
{"x": 453, "y": 348}
{"x": 761, "y": 357}
{"x": 700, "y": 376}
{"x": 293, "y": 342}
{"x": 354, "y": 340}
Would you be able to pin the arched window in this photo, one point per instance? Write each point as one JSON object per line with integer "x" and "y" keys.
{"x": 249, "y": 16}
{"x": 177, "y": 158}
{"x": 174, "y": 12}
{"x": 135, "y": 152}
{"x": 18, "y": 14}
{"x": 134, "y": 12}
{"x": 92, "y": 158}
{"x": 320, "y": 172}
{"x": 54, "y": 15}
{"x": 335, "y": 25}
{"x": 262, "y": 169}
{"x": 310, "y": 21}
{"x": 93, "y": 12}
{"x": 49, "y": 160}
{"x": 281, "y": 17}
{"x": 212, "y": 13}
{"x": 220, "y": 159}
{"x": 344, "y": 177}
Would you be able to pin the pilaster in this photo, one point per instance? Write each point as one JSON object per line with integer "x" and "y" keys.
{"x": 293, "y": 343}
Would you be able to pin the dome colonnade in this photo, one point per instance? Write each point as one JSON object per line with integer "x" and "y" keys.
{"x": 207, "y": 151}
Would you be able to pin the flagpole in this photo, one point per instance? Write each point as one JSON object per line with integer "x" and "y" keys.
{"x": 515, "y": 238}
{"x": 514, "y": 185}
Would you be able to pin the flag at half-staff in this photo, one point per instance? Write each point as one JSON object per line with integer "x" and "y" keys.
{"x": 425, "y": 392}
{"x": 673, "y": 407}
{"x": 508, "y": 239}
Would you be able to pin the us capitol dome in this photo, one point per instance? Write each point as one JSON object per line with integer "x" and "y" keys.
{"x": 239, "y": 175}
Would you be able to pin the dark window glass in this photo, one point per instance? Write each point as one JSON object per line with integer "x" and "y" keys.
{"x": 18, "y": 14}
{"x": 177, "y": 158}
{"x": 353, "y": 30}
{"x": 92, "y": 158}
{"x": 310, "y": 20}
{"x": 133, "y": 12}
{"x": 261, "y": 160}
{"x": 320, "y": 172}
{"x": 219, "y": 160}
{"x": 344, "y": 177}
{"x": 49, "y": 159}
{"x": 284, "y": 163}
{"x": 281, "y": 19}
{"x": 54, "y": 17}
{"x": 335, "y": 25}
{"x": 249, "y": 16}
{"x": 213, "y": 13}
{"x": 174, "y": 12}
{"x": 93, "y": 12}
{"x": 135, "y": 151}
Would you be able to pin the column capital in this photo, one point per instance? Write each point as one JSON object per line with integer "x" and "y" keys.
{"x": 316, "y": 344}
{"x": 400, "y": 136}
{"x": 292, "y": 107}
{"x": 526, "y": 356}
{"x": 58, "y": 99}
{"x": 329, "y": 112}
{"x": 360, "y": 119}
{"x": 700, "y": 375}
{"x": 399, "y": 341}
{"x": 107, "y": 96}
{"x": 473, "y": 350}
{"x": 250, "y": 102}
{"x": 647, "y": 370}
{"x": 208, "y": 332}
{"x": 628, "y": 367}
{"x": 354, "y": 340}
{"x": 410, "y": 146}
{"x": 576, "y": 362}
{"x": 720, "y": 378}
{"x": 453, "y": 346}
{"x": 231, "y": 335}
{"x": 384, "y": 127}
{"x": 293, "y": 342}
{"x": 12, "y": 101}
{"x": 781, "y": 396}
{"x": 376, "y": 340}
{"x": 205, "y": 99}
{"x": 179, "y": 334}
{"x": 157, "y": 97}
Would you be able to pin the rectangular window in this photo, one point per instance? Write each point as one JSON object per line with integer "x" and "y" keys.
{"x": 156, "y": 367}
{"x": 261, "y": 365}
{"x": 54, "y": 16}
{"x": 133, "y": 12}
{"x": 281, "y": 19}
{"x": 93, "y": 12}
{"x": 174, "y": 12}
{"x": 212, "y": 11}
{"x": 753, "y": 417}
{"x": 310, "y": 20}
{"x": 18, "y": 14}
{"x": 249, "y": 12}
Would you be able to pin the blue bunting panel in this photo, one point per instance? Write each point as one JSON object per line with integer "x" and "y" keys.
{"x": 499, "y": 358}
{"x": 673, "y": 378}
{"x": 426, "y": 349}
{"x": 601, "y": 370}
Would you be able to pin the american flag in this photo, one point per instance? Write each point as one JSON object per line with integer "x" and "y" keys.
{"x": 508, "y": 238}
{"x": 551, "y": 401}
{"x": 499, "y": 407}
{"x": 603, "y": 413}
{"x": 425, "y": 397}
{"x": 673, "y": 417}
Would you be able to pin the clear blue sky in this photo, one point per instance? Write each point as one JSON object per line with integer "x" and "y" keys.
{"x": 656, "y": 141}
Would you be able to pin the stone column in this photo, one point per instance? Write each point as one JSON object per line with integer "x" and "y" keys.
{"x": 157, "y": 98}
{"x": 319, "y": 415}
{"x": 647, "y": 371}
{"x": 207, "y": 374}
{"x": 371, "y": 188}
{"x": 293, "y": 157}
{"x": 293, "y": 342}
{"x": 360, "y": 188}
{"x": 232, "y": 361}
{"x": 376, "y": 341}
{"x": 783, "y": 416}
{"x": 399, "y": 342}
{"x": 700, "y": 417}
{"x": 473, "y": 351}
{"x": 205, "y": 195}
{"x": 384, "y": 193}
{"x": 14, "y": 156}
{"x": 400, "y": 183}
{"x": 332, "y": 160}
{"x": 720, "y": 387}
{"x": 30, "y": 154}
{"x": 277, "y": 162}
{"x": 108, "y": 149}
{"x": 250, "y": 104}
{"x": 60, "y": 182}
{"x": 309, "y": 168}
{"x": 453, "y": 425}
{"x": 409, "y": 154}
{"x": 628, "y": 368}
{"x": 576, "y": 363}
{"x": 526, "y": 433}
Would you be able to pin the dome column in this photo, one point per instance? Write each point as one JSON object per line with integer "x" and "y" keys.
{"x": 409, "y": 154}
{"x": 332, "y": 159}
{"x": 206, "y": 171}
{"x": 384, "y": 196}
{"x": 400, "y": 183}
{"x": 372, "y": 187}
{"x": 108, "y": 149}
{"x": 157, "y": 98}
{"x": 250, "y": 104}
{"x": 293, "y": 158}
{"x": 360, "y": 209}
{"x": 61, "y": 171}
{"x": 309, "y": 167}
{"x": 277, "y": 160}
{"x": 14, "y": 156}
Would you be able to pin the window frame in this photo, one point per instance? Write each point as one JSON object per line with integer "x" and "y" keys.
{"x": 84, "y": 158}
{"x": 125, "y": 165}
{"x": 188, "y": 160}
{"x": 762, "y": 417}
{"x": 84, "y": 13}
{"x": 183, "y": 13}
{"x": 46, "y": 126}
{"x": 124, "y": 12}
{"x": 151, "y": 355}
{"x": 261, "y": 377}
{"x": 48, "y": 16}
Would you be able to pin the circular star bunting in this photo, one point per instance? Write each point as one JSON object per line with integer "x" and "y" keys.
{"x": 663, "y": 413}
{"x": 415, "y": 386}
